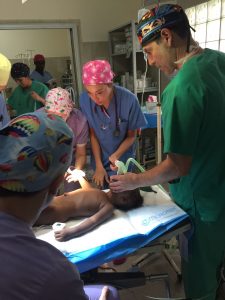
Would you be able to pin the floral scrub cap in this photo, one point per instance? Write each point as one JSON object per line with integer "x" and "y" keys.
{"x": 97, "y": 72}
{"x": 35, "y": 149}
{"x": 58, "y": 101}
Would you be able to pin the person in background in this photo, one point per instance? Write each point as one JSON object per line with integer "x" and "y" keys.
{"x": 35, "y": 152}
{"x": 114, "y": 116}
{"x": 5, "y": 67}
{"x": 29, "y": 95}
{"x": 58, "y": 101}
{"x": 193, "y": 111}
{"x": 39, "y": 73}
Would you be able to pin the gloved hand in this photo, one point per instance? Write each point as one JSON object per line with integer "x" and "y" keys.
{"x": 74, "y": 175}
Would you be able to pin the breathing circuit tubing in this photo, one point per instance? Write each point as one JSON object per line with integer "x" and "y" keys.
{"x": 123, "y": 168}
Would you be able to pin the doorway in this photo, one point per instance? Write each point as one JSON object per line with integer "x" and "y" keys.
{"x": 57, "y": 41}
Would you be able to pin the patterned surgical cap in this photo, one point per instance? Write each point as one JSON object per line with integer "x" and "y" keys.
{"x": 58, "y": 101}
{"x": 35, "y": 149}
{"x": 97, "y": 72}
{"x": 155, "y": 19}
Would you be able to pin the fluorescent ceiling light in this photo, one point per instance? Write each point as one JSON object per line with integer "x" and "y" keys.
{"x": 23, "y": 1}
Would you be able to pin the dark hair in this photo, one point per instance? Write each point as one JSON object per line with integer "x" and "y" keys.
{"x": 20, "y": 70}
{"x": 182, "y": 28}
{"x": 133, "y": 199}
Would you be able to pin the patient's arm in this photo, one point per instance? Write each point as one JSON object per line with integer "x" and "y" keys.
{"x": 85, "y": 184}
{"x": 82, "y": 181}
{"x": 105, "y": 212}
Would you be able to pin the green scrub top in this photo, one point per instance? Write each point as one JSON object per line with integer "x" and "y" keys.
{"x": 22, "y": 102}
{"x": 193, "y": 111}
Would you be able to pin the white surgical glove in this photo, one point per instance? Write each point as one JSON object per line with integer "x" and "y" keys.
{"x": 74, "y": 175}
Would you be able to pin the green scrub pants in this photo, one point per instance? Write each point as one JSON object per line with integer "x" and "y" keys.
{"x": 201, "y": 267}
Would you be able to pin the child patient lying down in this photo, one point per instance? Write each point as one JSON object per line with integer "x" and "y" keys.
{"x": 88, "y": 202}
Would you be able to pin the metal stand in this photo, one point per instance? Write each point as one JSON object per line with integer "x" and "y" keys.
{"x": 160, "y": 246}
{"x": 173, "y": 264}
{"x": 134, "y": 277}
{"x": 124, "y": 280}
{"x": 151, "y": 250}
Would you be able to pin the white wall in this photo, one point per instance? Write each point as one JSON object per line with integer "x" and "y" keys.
{"x": 97, "y": 17}
{"x": 24, "y": 44}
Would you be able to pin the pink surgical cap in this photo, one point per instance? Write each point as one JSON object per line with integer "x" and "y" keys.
{"x": 97, "y": 72}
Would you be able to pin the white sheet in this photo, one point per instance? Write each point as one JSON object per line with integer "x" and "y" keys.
{"x": 158, "y": 210}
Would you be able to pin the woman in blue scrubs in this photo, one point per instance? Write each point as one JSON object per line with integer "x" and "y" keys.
{"x": 114, "y": 116}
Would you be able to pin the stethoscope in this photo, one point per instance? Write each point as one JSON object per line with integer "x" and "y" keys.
{"x": 116, "y": 132}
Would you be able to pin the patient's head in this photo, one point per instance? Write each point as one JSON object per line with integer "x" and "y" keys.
{"x": 127, "y": 200}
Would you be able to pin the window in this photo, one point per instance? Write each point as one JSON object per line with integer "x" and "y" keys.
{"x": 208, "y": 19}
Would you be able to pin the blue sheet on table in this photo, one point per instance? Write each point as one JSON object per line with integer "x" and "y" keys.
{"x": 121, "y": 235}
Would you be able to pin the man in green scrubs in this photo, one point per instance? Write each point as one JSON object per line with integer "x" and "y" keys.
{"x": 193, "y": 110}
{"x": 29, "y": 95}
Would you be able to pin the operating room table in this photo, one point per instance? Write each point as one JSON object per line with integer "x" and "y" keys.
{"x": 140, "y": 229}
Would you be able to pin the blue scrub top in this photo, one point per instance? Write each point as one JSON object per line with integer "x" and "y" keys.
{"x": 42, "y": 78}
{"x": 129, "y": 115}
